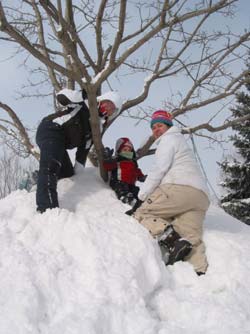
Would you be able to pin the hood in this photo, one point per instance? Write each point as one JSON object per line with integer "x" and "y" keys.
{"x": 67, "y": 96}
{"x": 115, "y": 98}
{"x": 121, "y": 142}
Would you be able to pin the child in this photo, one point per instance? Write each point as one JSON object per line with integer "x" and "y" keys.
{"x": 124, "y": 170}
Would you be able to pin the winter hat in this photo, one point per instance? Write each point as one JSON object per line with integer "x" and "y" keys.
{"x": 121, "y": 143}
{"x": 113, "y": 97}
{"x": 161, "y": 116}
{"x": 67, "y": 96}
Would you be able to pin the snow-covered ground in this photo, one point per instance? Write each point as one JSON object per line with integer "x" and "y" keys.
{"x": 87, "y": 268}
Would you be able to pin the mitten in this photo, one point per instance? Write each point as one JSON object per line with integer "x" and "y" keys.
{"x": 107, "y": 153}
{"x": 142, "y": 178}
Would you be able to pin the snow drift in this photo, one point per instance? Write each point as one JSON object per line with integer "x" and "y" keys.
{"x": 88, "y": 268}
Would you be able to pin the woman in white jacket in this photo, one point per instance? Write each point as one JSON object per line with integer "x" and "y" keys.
{"x": 174, "y": 197}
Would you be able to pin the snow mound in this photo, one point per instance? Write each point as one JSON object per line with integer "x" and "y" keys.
{"x": 88, "y": 268}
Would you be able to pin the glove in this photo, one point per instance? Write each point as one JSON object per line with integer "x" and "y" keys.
{"x": 142, "y": 178}
{"x": 107, "y": 153}
{"x": 137, "y": 204}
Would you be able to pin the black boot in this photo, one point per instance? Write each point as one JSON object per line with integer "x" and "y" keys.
{"x": 174, "y": 248}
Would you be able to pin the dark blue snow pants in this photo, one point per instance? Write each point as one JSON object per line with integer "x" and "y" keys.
{"x": 55, "y": 163}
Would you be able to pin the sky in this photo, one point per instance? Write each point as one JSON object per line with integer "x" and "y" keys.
{"x": 31, "y": 111}
{"x": 87, "y": 268}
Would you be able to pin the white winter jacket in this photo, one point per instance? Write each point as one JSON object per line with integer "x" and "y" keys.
{"x": 174, "y": 164}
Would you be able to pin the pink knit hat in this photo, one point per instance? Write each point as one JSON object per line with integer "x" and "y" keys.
{"x": 161, "y": 116}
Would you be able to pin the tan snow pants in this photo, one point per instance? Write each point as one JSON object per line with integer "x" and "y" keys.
{"x": 182, "y": 206}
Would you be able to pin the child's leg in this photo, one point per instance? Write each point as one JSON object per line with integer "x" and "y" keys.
{"x": 121, "y": 189}
{"x": 134, "y": 190}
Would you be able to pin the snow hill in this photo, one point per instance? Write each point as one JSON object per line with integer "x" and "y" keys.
{"x": 87, "y": 268}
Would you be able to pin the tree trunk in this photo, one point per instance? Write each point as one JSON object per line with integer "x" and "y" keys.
{"x": 96, "y": 132}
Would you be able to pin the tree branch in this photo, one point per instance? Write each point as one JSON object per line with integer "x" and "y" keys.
{"x": 19, "y": 126}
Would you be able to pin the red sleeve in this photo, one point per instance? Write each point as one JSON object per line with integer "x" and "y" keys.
{"x": 109, "y": 165}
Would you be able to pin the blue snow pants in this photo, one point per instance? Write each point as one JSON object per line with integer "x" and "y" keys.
{"x": 55, "y": 163}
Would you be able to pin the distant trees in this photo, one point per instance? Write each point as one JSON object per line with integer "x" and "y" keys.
{"x": 12, "y": 170}
{"x": 236, "y": 171}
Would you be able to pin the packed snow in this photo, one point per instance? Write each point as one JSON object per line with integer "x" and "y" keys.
{"x": 87, "y": 268}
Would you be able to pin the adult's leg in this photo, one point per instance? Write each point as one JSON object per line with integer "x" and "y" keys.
{"x": 157, "y": 211}
{"x": 50, "y": 140}
{"x": 190, "y": 225}
{"x": 67, "y": 169}
{"x": 182, "y": 206}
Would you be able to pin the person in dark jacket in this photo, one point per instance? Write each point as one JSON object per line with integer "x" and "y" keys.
{"x": 124, "y": 170}
{"x": 65, "y": 130}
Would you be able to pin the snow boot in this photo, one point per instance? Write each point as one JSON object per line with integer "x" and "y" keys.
{"x": 128, "y": 198}
{"x": 173, "y": 247}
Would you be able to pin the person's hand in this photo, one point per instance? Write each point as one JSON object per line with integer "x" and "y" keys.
{"x": 137, "y": 204}
{"x": 142, "y": 178}
{"x": 107, "y": 153}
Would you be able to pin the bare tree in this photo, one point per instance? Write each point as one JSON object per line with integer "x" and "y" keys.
{"x": 12, "y": 170}
{"x": 15, "y": 135}
{"x": 85, "y": 43}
